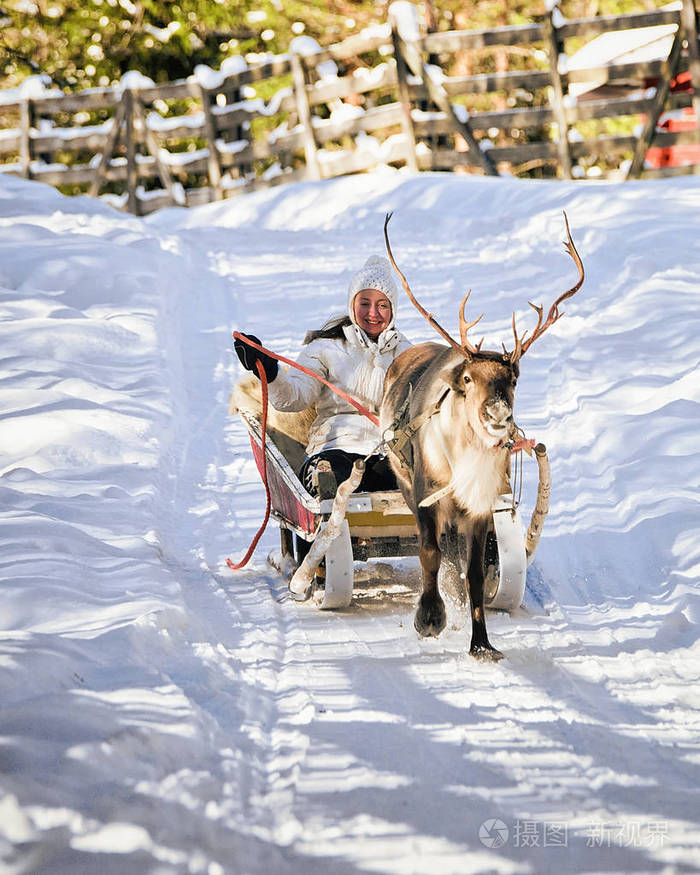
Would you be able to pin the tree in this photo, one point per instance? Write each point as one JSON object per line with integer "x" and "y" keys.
{"x": 86, "y": 44}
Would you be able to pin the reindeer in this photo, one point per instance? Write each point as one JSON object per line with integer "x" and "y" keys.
{"x": 448, "y": 414}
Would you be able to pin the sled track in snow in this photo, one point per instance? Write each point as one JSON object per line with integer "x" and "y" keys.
{"x": 413, "y": 744}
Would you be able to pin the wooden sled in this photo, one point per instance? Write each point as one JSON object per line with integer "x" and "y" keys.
{"x": 377, "y": 524}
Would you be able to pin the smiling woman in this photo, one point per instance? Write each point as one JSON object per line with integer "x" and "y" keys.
{"x": 372, "y": 310}
{"x": 354, "y": 351}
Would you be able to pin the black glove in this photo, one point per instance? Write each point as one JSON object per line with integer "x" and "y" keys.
{"x": 248, "y": 356}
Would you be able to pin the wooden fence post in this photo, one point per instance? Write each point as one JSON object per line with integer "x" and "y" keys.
{"x": 668, "y": 71}
{"x": 26, "y": 113}
{"x": 690, "y": 26}
{"x": 213, "y": 161}
{"x": 132, "y": 203}
{"x": 442, "y": 100}
{"x": 153, "y": 147}
{"x": 404, "y": 99}
{"x": 553, "y": 51}
{"x": 304, "y": 110}
{"x": 102, "y": 164}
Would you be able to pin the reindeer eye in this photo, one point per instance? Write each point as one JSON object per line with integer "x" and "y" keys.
{"x": 467, "y": 378}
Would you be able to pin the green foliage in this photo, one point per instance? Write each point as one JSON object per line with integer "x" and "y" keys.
{"x": 88, "y": 43}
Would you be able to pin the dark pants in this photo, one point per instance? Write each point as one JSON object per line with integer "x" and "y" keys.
{"x": 378, "y": 476}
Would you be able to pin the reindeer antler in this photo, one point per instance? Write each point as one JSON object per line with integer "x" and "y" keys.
{"x": 521, "y": 344}
{"x": 464, "y": 327}
{"x": 466, "y": 352}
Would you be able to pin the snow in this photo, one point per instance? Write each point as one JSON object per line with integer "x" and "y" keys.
{"x": 558, "y": 19}
{"x": 206, "y": 77}
{"x": 343, "y": 112}
{"x": 135, "y": 80}
{"x": 156, "y": 122}
{"x": 31, "y": 88}
{"x": 163, "y": 34}
{"x": 233, "y": 65}
{"x": 638, "y": 44}
{"x": 371, "y": 77}
{"x": 233, "y": 147}
{"x": 404, "y": 16}
{"x": 161, "y": 714}
{"x": 256, "y": 104}
{"x": 46, "y": 126}
{"x": 182, "y": 159}
{"x": 212, "y": 79}
{"x": 307, "y": 46}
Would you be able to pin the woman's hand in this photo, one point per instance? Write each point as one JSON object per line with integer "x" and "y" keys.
{"x": 248, "y": 356}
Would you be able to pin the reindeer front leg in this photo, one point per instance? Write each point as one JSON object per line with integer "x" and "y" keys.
{"x": 481, "y": 647}
{"x": 430, "y": 616}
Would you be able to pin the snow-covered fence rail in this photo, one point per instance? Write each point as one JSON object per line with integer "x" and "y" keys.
{"x": 212, "y": 135}
{"x": 503, "y": 100}
{"x": 549, "y": 102}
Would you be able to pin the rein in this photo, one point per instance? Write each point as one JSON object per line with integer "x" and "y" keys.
{"x": 235, "y": 566}
{"x": 268, "y": 501}
{"x": 280, "y": 358}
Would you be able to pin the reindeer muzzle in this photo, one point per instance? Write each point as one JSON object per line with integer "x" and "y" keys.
{"x": 497, "y": 418}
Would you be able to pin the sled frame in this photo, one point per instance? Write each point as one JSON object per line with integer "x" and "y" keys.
{"x": 377, "y": 524}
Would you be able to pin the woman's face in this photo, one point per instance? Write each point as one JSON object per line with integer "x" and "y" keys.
{"x": 372, "y": 311}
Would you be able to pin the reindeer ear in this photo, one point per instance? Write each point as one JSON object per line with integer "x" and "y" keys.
{"x": 453, "y": 375}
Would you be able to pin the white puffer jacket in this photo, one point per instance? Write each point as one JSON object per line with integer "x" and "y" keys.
{"x": 356, "y": 364}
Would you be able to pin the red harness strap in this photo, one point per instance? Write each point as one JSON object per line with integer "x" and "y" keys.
{"x": 244, "y": 561}
{"x": 281, "y": 358}
{"x": 263, "y": 382}
{"x": 526, "y": 444}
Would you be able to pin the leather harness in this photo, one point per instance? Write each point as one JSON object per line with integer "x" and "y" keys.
{"x": 399, "y": 436}
{"x": 403, "y": 430}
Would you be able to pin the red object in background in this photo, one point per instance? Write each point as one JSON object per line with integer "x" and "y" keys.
{"x": 681, "y": 153}
{"x": 679, "y": 84}
{"x": 677, "y": 120}
{"x": 682, "y": 82}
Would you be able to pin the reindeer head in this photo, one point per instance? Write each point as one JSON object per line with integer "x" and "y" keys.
{"x": 486, "y": 379}
{"x": 484, "y": 387}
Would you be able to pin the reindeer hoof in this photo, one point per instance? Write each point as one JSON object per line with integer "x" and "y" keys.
{"x": 485, "y": 653}
{"x": 430, "y": 618}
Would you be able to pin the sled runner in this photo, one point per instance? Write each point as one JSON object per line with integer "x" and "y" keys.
{"x": 376, "y": 524}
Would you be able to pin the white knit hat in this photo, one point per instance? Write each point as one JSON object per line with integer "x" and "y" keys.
{"x": 377, "y": 273}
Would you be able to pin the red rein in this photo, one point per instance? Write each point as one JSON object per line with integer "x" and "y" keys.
{"x": 263, "y": 383}
{"x": 281, "y": 358}
{"x": 244, "y": 561}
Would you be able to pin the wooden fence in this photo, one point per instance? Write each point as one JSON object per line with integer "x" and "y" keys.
{"x": 385, "y": 100}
